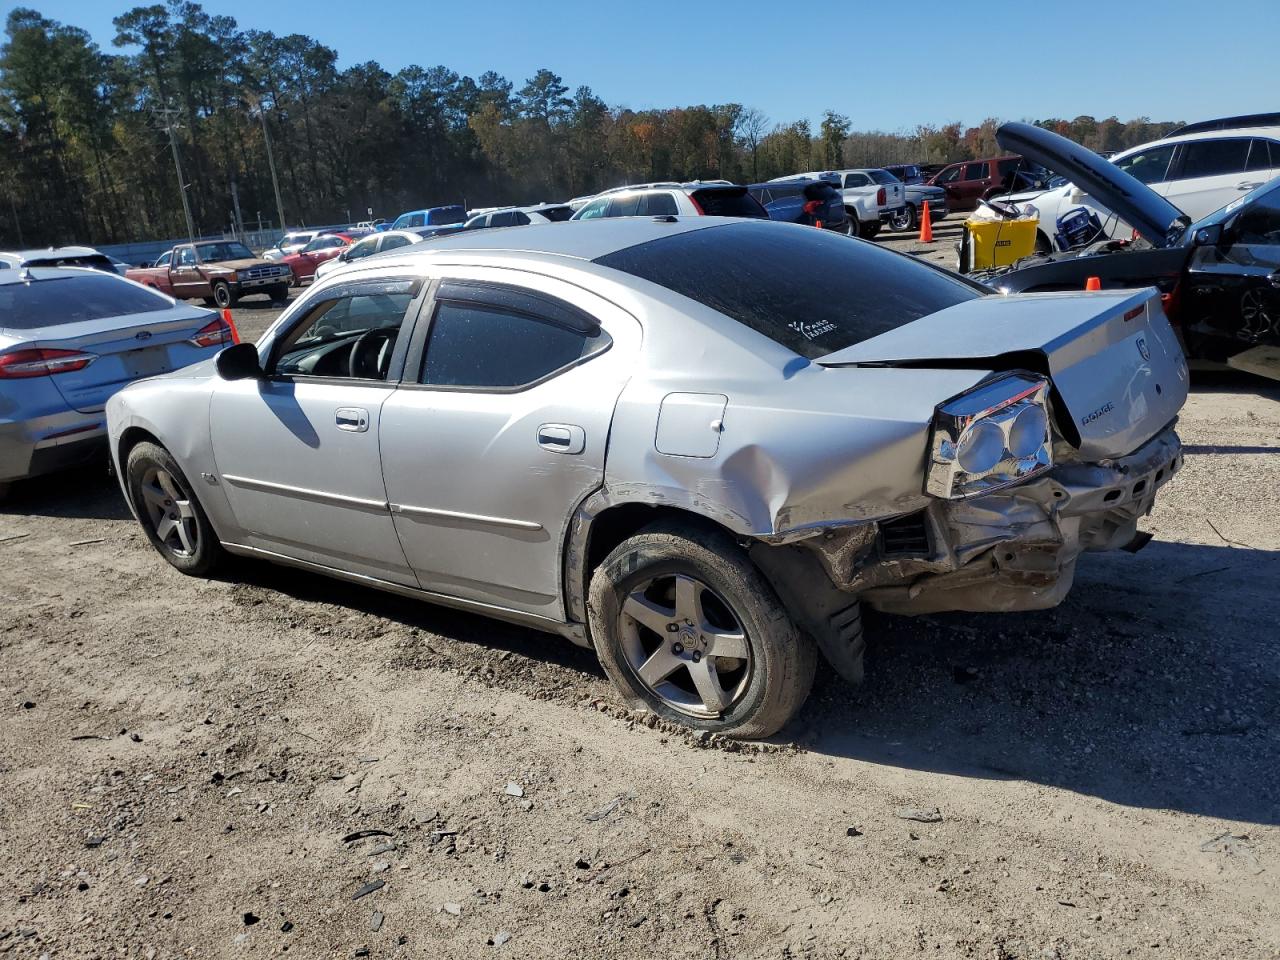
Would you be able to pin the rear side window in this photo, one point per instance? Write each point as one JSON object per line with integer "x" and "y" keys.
{"x": 882, "y": 176}
{"x": 390, "y": 243}
{"x": 47, "y": 303}
{"x": 1213, "y": 158}
{"x": 557, "y": 214}
{"x": 808, "y": 290}
{"x": 658, "y": 205}
{"x": 1263, "y": 155}
{"x": 505, "y": 219}
{"x": 857, "y": 180}
{"x": 729, "y": 203}
{"x": 485, "y": 346}
{"x": 975, "y": 171}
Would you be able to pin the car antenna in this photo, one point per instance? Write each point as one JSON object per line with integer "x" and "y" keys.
{"x": 25, "y": 276}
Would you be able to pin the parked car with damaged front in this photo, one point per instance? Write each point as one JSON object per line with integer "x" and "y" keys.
{"x": 662, "y": 439}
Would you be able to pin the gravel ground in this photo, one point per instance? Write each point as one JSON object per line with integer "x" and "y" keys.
{"x": 275, "y": 762}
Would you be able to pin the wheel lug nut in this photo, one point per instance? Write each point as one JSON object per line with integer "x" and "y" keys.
{"x": 697, "y": 655}
{"x": 677, "y": 648}
{"x": 673, "y": 628}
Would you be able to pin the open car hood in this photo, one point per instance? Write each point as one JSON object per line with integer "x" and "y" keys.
{"x": 1157, "y": 220}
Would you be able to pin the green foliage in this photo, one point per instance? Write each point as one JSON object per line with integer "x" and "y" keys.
{"x": 85, "y": 155}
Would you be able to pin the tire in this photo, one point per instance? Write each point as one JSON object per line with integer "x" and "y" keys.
{"x": 5, "y": 488}
{"x": 208, "y": 301}
{"x": 868, "y": 231}
{"x": 154, "y": 477}
{"x": 670, "y": 569}
{"x": 1042, "y": 243}
{"x": 851, "y": 227}
{"x": 908, "y": 219}
{"x": 222, "y": 295}
{"x": 279, "y": 293}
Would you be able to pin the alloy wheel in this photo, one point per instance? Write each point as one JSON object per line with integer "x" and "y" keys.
{"x": 684, "y": 643}
{"x": 171, "y": 512}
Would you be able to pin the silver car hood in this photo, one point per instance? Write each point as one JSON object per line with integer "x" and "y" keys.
{"x": 1157, "y": 220}
{"x": 1115, "y": 363}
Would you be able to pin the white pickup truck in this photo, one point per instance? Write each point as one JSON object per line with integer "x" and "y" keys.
{"x": 871, "y": 196}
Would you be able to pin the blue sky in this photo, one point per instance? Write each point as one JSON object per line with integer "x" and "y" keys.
{"x": 884, "y": 69}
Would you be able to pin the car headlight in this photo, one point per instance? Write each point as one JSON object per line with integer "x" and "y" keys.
{"x": 990, "y": 437}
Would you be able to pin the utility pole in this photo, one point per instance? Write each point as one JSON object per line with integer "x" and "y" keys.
{"x": 256, "y": 102}
{"x": 177, "y": 165}
{"x": 235, "y": 202}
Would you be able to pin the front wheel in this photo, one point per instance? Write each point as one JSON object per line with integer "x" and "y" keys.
{"x": 222, "y": 295}
{"x": 279, "y": 293}
{"x": 171, "y": 517}
{"x": 904, "y": 219}
{"x": 688, "y": 628}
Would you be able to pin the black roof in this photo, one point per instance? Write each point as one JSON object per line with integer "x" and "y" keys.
{"x": 1230, "y": 123}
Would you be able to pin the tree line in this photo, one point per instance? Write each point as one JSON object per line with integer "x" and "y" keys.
{"x": 88, "y": 137}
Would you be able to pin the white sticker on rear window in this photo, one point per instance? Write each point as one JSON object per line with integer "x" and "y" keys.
{"x": 811, "y": 331}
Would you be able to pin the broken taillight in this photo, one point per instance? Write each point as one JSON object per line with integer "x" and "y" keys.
{"x": 213, "y": 334}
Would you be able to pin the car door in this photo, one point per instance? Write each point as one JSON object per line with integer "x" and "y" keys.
{"x": 1207, "y": 174}
{"x": 297, "y": 451}
{"x": 185, "y": 275}
{"x": 1233, "y": 295}
{"x": 500, "y": 430}
{"x": 974, "y": 181}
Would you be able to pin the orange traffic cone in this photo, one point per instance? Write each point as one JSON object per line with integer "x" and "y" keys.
{"x": 226, "y": 318}
{"x": 818, "y": 224}
{"x": 1093, "y": 283}
{"x": 926, "y": 228}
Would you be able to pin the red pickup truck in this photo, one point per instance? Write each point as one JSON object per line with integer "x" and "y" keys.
{"x": 219, "y": 271}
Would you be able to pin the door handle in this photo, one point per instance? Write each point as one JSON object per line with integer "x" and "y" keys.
{"x": 562, "y": 438}
{"x": 1247, "y": 185}
{"x": 352, "y": 419}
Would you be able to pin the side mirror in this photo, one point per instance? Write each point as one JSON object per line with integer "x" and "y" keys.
{"x": 1209, "y": 236}
{"x": 239, "y": 362}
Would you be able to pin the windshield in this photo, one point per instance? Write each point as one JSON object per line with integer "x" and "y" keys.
{"x": 1270, "y": 191}
{"x": 215, "y": 252}
{"x": 47, "y": 303}
{"x": 809, "y": 290}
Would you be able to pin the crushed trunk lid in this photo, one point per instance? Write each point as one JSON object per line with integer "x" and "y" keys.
{"x": 1118, "y": 372}
{"x": 1157, "y": 220}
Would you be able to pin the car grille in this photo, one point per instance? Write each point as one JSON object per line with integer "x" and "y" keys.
{"x": 905, "y": 536}
{"x": 259, "y": 273}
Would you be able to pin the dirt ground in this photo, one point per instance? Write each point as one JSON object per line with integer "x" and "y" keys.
{"x": 273, "y": 762}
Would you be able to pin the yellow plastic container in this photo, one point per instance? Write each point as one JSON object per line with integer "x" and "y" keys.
{"x": 998, "y": 243}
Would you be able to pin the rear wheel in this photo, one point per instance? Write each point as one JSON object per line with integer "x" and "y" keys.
{"x": 851, "y": 222}
{"x": 172, "y": 518}
{"x": 869, "y": 230}
{"x": 905, "y": 219}
{"x": 688, "y": 628}
{"x": 222, "y": 295}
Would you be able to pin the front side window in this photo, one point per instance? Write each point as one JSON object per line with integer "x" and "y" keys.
{"x": 1213, "y": 158}
{"x": 627, "y": 205}
{"x": 595, "y": 209}
{"x": 949, "y": 175}
{"x": 478, "y": 346}
{"x": 219, "y": 252}
{"x": 164, "y": 259}
{"x": 351, "y": 336}
{"x": 186, "y": 257}
{"x": 364, "y": 248}
{"x": 1148, "y": 166}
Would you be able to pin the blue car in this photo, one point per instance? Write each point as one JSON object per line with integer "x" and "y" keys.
{"x": 69, "y": 339}
{"x": 804, "y": 201}
{"x": 432, "y": 220}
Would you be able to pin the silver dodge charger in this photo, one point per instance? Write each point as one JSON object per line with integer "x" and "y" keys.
{"x": 698, "y": 445}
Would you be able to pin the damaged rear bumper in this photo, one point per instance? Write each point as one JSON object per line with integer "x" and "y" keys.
{"x": 1011, "y": 550}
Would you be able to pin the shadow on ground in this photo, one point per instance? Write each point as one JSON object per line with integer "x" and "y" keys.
{"x": 1156, "y": 684}
{"x": 86, "y": 493}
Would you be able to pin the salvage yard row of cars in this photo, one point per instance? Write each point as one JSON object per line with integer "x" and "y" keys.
{"x": 647, "y": 429}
